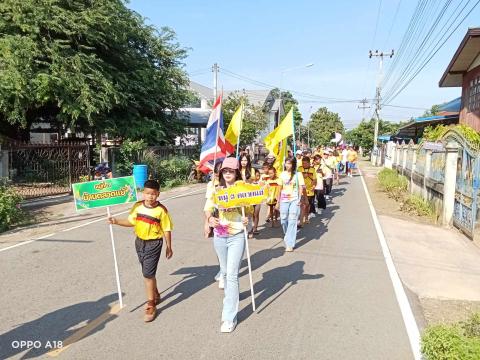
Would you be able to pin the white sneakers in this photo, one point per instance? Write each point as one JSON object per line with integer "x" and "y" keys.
{"x": 228, "y": 326}
{"x": 221, "y": 282}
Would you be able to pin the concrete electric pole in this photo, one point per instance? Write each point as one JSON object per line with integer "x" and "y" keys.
{"x": 378, "y": 97}
{"x": 215, "y": 69}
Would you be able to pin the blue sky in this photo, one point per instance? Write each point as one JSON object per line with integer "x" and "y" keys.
{"x": 258, "y": 39}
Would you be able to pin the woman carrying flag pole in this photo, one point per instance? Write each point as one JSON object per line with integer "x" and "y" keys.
{"x": 291, "y": 183}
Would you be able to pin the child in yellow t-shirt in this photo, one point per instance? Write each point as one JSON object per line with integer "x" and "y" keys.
{"x": 310, "y": 179}
{"x": 273, "y": 189}
{"x": 152, "y": 224}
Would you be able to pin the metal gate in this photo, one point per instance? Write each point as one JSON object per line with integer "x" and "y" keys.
{"x": 466, "y": 191}
{"x": 47, "y": 169}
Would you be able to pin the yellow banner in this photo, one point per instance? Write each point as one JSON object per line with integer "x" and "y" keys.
{"x": 240, "y": 194}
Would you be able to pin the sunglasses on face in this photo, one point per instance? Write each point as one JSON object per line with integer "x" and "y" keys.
{"x": 228, "y": 171}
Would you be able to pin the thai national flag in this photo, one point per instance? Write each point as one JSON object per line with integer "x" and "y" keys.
{"x": 214, "y": 139}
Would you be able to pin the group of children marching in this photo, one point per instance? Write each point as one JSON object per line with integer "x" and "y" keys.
{"x": 306, "y": 177}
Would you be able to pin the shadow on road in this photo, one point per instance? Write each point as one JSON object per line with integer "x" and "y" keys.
{"x": 273, "y": 284}
{"x": 196, "y": 279}
{"x": 55, "y": 326}
{"x": 259, "y": 259}
{"x": 317, "y": 227}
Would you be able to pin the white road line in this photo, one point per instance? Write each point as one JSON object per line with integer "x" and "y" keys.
{"x": 407, "y": 313}
{"x": 94, "y": 221}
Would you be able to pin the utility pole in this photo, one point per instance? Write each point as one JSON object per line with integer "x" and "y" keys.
{"x": 215, "y": 69}
{"x": 308, "y": 126}
{"x": 378, "y": 97}
{"x": 364, "y": 106}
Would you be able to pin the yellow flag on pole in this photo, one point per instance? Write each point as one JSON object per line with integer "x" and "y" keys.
{"x": 280, "y": 155}
{"x": 282, "y": 131}
{"x": 234, "y": 128}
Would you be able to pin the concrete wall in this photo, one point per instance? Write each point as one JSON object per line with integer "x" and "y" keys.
{"x": 405, "y": 162}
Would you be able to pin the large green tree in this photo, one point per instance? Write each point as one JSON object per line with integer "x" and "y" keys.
{"x": 254, "y": 117}
{"x": 90, "y": 65}
{"x": 323, "y": 124}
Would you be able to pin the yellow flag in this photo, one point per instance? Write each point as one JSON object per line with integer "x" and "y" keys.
{"x": 282, "y": 131}
{"x": 235, "y": 126}
{"x": 280, "y": 156}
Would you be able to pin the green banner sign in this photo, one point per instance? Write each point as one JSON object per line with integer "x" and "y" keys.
{"x": 101, "y": 193}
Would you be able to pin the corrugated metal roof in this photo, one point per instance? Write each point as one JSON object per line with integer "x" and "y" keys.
{"x": 452, "y": 106}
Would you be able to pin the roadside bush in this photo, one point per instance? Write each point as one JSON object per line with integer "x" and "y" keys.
{"x": 471, "y": 327}
{"x": 452, "y": 342}
{"x": 169, "y": 172}
{"x": 396, "y": 187}
{"x": 10, "y": 212}
{"x": 131, "y": 152}
{"x": 393, "y": 184}
{"x": 417, "y": 205}
{"x": 434, "y": 133}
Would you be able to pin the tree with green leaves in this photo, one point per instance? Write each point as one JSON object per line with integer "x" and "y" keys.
{"x": 93, "y": 66}
{"x": 323, "y": 125}
{"x": 434, "y": 110}
{"x": 362, "y": 135}
{"x": 254, "y": 117}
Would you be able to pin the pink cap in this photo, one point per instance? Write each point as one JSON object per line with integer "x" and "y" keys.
{"x": 230, "y": 163}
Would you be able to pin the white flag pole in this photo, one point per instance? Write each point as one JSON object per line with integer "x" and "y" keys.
{"x": 120, "y": 298}
{"x": 248, "y": 261}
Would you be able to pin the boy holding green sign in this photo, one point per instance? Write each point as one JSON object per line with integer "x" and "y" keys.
{"x": 152, "y": 225}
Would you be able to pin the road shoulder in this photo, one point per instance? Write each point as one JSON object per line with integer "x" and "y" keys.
{"x": 439, "y": 266}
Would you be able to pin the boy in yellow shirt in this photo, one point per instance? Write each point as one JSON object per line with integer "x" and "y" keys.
{"x": 152, "y": 224}
{"x": 273, "y": 190}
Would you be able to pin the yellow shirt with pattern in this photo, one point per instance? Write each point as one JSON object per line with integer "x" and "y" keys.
{"x": 150, "y": 223}
{"x": 273, "y": 187}
{"x": 308, "y": 177}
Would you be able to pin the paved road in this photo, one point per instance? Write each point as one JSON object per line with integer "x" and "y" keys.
{"x": 330, "y": 299}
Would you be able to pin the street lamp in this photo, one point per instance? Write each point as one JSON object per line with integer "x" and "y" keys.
{"x": 281, "y": 83}
{"x": 291, "y": 69}
{"x": 281, "y": 80}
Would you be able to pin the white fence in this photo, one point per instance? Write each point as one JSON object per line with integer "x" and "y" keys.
{"x": 445, "y": 173}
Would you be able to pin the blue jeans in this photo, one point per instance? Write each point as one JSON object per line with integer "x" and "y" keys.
{"x": 289, "y": 212}
{"x": 230, "y": 253}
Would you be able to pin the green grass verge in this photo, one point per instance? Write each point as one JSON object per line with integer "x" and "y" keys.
{"x": 396, "y": 187}
{"x": 459, "y": 341}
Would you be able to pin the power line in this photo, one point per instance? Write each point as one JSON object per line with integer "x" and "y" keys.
{"x": 376, "y": 22}
{"x": 392, "y": 24}
{"x": 373, "y": 43}
{"x": 406, "y": 107}
{"x": 434, "y": 51}
{"x": 270, "y": 86}
{"x": 411, "y": 30}
{"x": 417, "y": 51}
